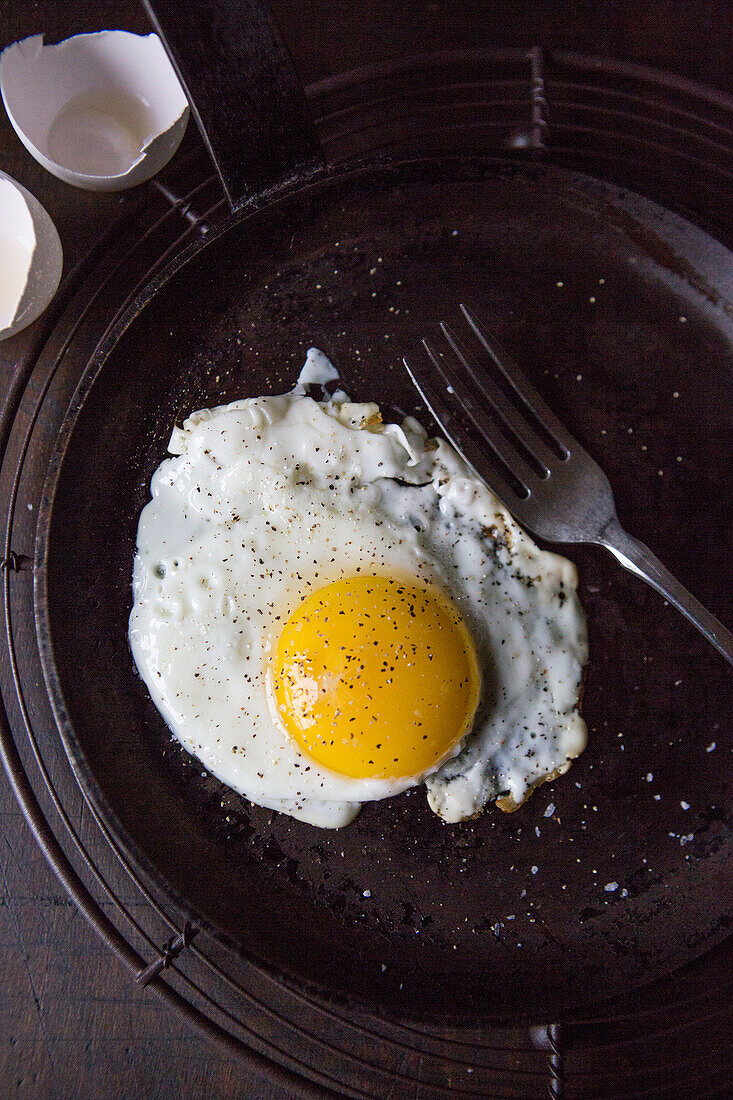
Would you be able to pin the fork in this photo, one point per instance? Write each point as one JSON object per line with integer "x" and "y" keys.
{"x": 549, "y": 483}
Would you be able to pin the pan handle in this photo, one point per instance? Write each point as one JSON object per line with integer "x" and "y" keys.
{"x": 243, "y": 89}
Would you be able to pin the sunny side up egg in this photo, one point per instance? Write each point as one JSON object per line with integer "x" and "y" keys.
{"x": 329, "y": 610}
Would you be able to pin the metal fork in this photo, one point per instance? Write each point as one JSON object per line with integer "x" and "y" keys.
{"x": 550, "y": 483}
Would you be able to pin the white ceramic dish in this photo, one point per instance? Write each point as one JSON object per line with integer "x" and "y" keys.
{"x": 101, "y": 111}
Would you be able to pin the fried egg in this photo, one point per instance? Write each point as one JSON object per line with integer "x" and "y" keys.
{"x": 328, "y": 610}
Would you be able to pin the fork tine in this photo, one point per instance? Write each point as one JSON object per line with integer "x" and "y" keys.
{"x": 508, "y": 454}
{"x": 456, "y": 434}
{"x": 518, "y": 424}
{"x": 523, "y": 388}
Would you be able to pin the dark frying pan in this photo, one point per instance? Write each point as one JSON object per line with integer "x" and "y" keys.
{"x": 608, "y": 878}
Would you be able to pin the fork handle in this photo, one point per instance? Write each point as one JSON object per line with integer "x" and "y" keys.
{"x": 638, "y": 558}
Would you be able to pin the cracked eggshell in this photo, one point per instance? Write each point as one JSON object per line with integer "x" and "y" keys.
{"x": 31, "y": 258}
{"x": 101, "y": 111}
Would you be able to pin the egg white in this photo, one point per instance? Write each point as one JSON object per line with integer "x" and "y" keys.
{"x": 268, "y": 498}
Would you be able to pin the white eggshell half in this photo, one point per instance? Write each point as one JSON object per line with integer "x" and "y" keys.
{"x": 101, "y": 111}
{"x": 31, "y": 259}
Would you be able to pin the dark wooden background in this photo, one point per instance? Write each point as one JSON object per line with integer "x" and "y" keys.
{"x": 71, "y": 1022}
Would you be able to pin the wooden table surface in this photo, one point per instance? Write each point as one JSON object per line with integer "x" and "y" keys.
{"x": 72, "y": 1024}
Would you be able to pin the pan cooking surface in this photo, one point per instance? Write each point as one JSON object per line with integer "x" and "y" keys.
{"x": 608, "y": 877}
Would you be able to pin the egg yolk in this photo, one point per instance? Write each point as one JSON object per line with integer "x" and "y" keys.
{"x": 375, "y": 677}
